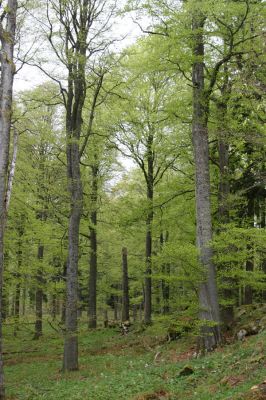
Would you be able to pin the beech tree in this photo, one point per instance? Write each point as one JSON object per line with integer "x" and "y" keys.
{"x": 82, "y": 27}
{"x": 145, "y": 129}
{"x": 7, "y": 38}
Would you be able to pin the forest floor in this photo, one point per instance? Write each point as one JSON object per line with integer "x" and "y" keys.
{"x": 138, "y": 366}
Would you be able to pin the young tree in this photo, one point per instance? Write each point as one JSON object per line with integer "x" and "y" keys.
{"x": 147, "y": 135}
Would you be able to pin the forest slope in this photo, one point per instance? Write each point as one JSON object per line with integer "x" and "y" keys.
{"x": 140, "y": 365}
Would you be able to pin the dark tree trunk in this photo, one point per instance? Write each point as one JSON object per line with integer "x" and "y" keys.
{"x": 125, "y": 288}
{"x": 7, "y": 37}
{"x": 24, "y": 295}
{"x": 93, "y": 250}
{"x": 149, "y": 220}
{"x": 166, "y": 269}
{"x": 248, "y": 293}
{"x": 39, "y": 295}
{"x": 16, "y": 308}
{"x": 208, "y": 297}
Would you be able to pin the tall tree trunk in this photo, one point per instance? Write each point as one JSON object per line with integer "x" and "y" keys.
{"x": 39, "y": 294}
{"x": 7, "y": 37}
{"x": 93, "y": 250}
{"x": 74, "y": 106}
{"x": 70, "y": 362}
{"x": 125, "y": 289}
{"x": 149, "y": 220}
{"x": 208, "y": 298}
{"x": 164, "y": 284}
{"x": 248, "y": 292}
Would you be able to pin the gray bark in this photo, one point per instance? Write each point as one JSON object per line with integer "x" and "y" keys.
{"x": 7, "y": 38}
{"x": 70, "y": 361}
{"x": 208, "y": 297}
{"x": 12, "y": 170}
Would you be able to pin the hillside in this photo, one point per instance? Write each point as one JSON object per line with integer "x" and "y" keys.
{"x": 138, "y": 366}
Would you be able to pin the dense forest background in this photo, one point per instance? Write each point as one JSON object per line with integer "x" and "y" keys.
{"x": 134, "y": 187}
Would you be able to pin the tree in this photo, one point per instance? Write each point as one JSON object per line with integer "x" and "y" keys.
{"x": 76, "y": 20}
{"x": 7, "y": 38}
{"x": 146, "y": 134}
{"x": 208, "y": 296}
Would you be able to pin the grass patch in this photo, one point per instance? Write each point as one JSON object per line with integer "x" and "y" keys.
{"x": 136, "y": 366}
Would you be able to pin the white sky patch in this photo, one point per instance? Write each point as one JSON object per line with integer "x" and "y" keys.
{"x": 29, "y": 76}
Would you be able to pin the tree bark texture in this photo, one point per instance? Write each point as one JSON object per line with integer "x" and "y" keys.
{"x": 76, "y": 94}
{"x": 208, "y": 297}
{"x": 149, "y": 220}
{"x": 70, "y": 362}
{"x": 7, "y": 38}
{"x": 93, "y": 250}
{"x": 125, "y": 287}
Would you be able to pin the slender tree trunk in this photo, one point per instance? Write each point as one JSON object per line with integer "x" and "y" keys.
{"x": 93, "y": 250}
{"x": 39, "y": 295}
{"x": 149, "y": 220}
{"x": 125, "y": 289}
{"x": 24, "y": 295}
{"x": 248, "y": 292}
{"x": 208, "y": 298}
{"x": 164, "y": 284}
{"x": 7, "y": 37}
{"x": 16, "y": 308}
